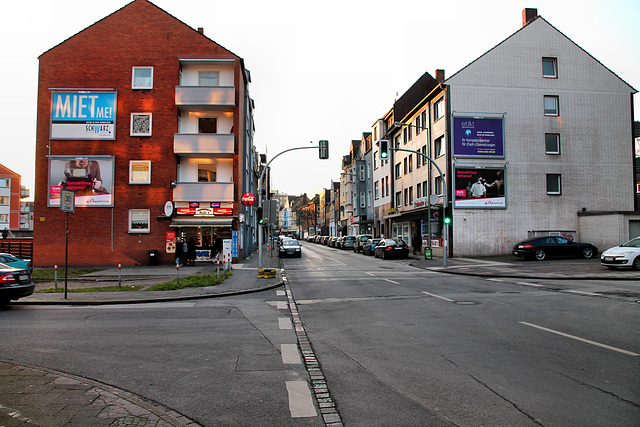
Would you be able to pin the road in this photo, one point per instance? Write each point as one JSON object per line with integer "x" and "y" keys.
{"x": 405, "y": 346}
{"x": 397, "y": 345}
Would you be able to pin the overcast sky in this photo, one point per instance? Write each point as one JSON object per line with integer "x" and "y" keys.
{"x": 320, "y": 70}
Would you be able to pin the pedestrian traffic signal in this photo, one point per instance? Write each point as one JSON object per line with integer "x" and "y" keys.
{"x": 324, "y": 149}
{"x": 384, "y": 149}
{"x": 259, "y": 214}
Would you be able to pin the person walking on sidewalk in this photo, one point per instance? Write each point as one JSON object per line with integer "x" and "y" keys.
{"x": 416, "y": 242}
{"x": 179, "y": 253}
{"x": 191, "y": 252}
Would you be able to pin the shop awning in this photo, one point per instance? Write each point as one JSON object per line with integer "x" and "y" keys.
{"x": 201, "y": 222}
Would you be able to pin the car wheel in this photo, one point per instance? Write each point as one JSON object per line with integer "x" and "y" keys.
{"x": 636, "y": 263}
{"x": 540, "y": 254}
{"x": 384, "y": 255}
{"x": 587, "y": 253}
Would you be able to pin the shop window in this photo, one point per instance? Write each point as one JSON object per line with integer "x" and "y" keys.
{"x": 140, "y": 124}
{"x": 142, "y": 78}
{"x": 139, "y": 220}
{"x": 139, "y": 172}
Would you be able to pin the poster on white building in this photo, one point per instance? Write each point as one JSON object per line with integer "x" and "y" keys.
{"x": 480, "y": 187}
{"x": 83, "y": 115}
{"x": 90, "y": 177}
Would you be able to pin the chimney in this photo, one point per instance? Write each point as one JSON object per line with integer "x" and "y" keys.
{"x": 528, "y": 15}
{"x": 201, "y": 30}
{"x": 440, "y": 76}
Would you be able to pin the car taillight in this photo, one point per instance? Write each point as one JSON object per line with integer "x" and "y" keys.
{"x": 389, "y": 248}
{"x": 30, "y": 264}
{"x": 7, "y": 278}
{"x": 405, "y": 247}
{"x": 526, "y": 246}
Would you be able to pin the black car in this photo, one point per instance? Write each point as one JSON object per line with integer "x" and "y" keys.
{"x": 541, "y": 248}
{"x": 14, "y": 283}
{"x": 290, "y": 247}
{"x": 391, "y": 248}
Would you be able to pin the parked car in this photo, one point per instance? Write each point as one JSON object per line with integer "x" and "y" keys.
{"x": 325, "y": 240}
{"x": 391, "y": 248}
{"x": 541, "y": 248}
{"x": 290, "y": 247}
{"x": 311, "y": 238}
{"x": 15, "y": 262}
{"x": 625, "y": 255}
{"x": 332, "y": 242}
{"x": 14, "y": 283}
{"x": 361, "y": 239}
{"x": 369, "y": 246}
{"x": 347, "y": 242}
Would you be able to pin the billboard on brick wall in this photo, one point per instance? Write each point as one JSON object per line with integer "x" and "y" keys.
{"x": 478, "y": 137}
{"x": 90, "y": 177}
{"x": 480, "y": 187}
{"x": 83, "y": 114}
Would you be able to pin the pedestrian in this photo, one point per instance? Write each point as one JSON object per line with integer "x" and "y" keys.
{"x": 179, "y": 253}
{"x": 416, "y": 242}
{"x": 5, "y": 233}
{"x": 191, "y": 252}
{"x": 185, "y": 252}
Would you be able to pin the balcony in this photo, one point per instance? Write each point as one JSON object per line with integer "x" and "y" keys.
{"x": 203, "y": 191}
{"x": 203, "y": 143}
{"x": 201, "y": 97}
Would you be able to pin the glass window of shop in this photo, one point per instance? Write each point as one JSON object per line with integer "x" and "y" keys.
{"x": 205, "y": 238}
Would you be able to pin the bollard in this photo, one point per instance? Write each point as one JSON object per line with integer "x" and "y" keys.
{"x": 55, "y": 274}
{"x": 178, "y": 273}
{"x": 119, "y": 274}
{"x": 218, "y": 266}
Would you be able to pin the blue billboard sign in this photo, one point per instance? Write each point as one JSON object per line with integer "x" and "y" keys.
{"x": 83, "y": 114}
{"x": 478, "y": 137}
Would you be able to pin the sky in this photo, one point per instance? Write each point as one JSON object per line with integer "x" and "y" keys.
{"x": 320, "y": 70}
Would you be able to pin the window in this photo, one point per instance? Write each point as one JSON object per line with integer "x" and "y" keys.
{"x": 406, "y": 196}
{"x": 4, "y": 182}
{"x": 207, "y": 125}
{"x": 410, "y": 162}
{"x": 142, "y": 78}
{"x": 140, "y": 124}
{"x": 377, "y": 189}
{"x": 397, "y": 141}
{"x": 424, "y": 119}
{"x": 362, "y": 200}
{"x": 437, "y": 147}
{"x": 397, "y": 170}
{"x": 404, "y": 135}
{"x": 410, "y": 132}
{"x": 410, "y": 195}
{"x": 554, "y": 183}
{"x": 361, "y": 172}
{"x": 552, "y": 143}
{"x": 207, "y": 173}
{"x": 551, "y": 106}
{"x": 418, "y": 125}
{"x": 139, "y": 172}
{"x": 4, "y": 200}
{"x": 405, "y": 166}
{"x": 398, "y": 199}
{"x": 418, "y": 190}
{"x": 425, "y": 189}
{"x": 139, "y": 220}
{"x": 438, "y": 109}
{"x": 208, "y": 78}
{"x": 438, "y": 185}
{"x": 375, "y": 160}
{"x": 549, "y": 68}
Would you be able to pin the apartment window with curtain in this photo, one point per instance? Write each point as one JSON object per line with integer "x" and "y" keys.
{"x": 142, "y": 78}
{"x": 551, "y": 105}
{"x": 208, "y": 78}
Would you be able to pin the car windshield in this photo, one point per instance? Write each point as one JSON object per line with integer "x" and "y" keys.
{"x": 633, "y": 243}
{"x": 349, "y": 238}
{"x": 289, "y": 243}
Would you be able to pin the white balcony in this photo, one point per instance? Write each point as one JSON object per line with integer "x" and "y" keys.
{"x": 203, "y": 143}
{"x": 199, "y": 97}
{"x": 203, "y": 191}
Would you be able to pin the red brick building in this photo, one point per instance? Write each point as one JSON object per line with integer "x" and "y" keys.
{"x": 149, "y": 122}
{"x": 12, "y": 217}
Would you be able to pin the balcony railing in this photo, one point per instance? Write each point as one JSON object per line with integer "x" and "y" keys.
{"x": 200, "y": 96}
{"x": 203, "y": 143}
{"x": 203, "y": 191}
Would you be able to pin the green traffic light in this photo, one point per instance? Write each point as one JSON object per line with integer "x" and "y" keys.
{"x": 447, "y": 220}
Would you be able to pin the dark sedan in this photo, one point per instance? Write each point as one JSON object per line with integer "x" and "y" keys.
{"x": 391, "y": 248}
{"x": 14, "y": 283}
{"x": 541, "y": 248}
{"x": 290, "y": 247}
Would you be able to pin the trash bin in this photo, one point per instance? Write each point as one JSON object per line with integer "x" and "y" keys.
{"x": 427, "y": 253}
{"x": 153, "y": 257}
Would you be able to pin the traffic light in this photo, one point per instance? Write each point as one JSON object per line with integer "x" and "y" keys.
{"x": 259, "y": 214}
{"x": 447, "y": 216}
{"x": 384, "y": 149}
{"x": 324, "y": 149}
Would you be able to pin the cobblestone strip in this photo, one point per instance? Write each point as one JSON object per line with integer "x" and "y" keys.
{"x": 328, "y": 409}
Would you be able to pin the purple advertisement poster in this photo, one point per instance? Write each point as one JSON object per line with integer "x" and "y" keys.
{"x": 478, "y": 137}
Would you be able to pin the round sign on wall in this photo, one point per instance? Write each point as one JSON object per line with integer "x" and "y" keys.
{"x": 248, "y": 199}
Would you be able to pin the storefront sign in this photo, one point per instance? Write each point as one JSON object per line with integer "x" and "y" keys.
{"x": 168, "y": 208}
{"x": 171, "y": 242}
{"x": 83, "y": 114}
{"x": 248, "y": 199}
{"x": 478, "y": 137}
{"x": 420, "y": 203}
{"x": 223, "y": 211}
{"x": 214, "y": 204}
{"x": 185, "y": 211}
{"x": 204, "y": 211}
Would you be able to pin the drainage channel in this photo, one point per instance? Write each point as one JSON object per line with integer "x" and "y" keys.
{"x": 327, "y": 406}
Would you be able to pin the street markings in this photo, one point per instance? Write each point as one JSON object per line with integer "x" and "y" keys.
{"x": 438, "y": 296}
{"x": 584, "y": 293}
{"x": 290, "y": 355}
{"x": 285, "y": 323}
{"x": 389, "y": 280}
{"x": 573, "y": 337}
{"x": 300, "y": 400}
{"x": 530, "y": 284}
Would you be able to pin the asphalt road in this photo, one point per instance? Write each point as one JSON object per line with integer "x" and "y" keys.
{"x": 404, "y": 346}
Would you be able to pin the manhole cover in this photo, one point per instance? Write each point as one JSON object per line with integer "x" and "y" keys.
{"x": 467, "y": 302}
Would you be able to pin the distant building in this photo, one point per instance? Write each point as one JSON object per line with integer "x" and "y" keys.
{"x": 154, "y": 135}
{"x": 16, "y": 216}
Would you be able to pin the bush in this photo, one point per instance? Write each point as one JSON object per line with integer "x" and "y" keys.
{"x": 191, "y": 282}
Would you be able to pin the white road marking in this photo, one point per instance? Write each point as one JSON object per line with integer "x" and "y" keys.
{"x": 290, "y": 355}
{"x": 530, "y": 284}
{"x": 285, "y": 323}
{"x": 608, "y": 347}
{"x": 438, "y": 296}
{"x": 370, "y": 274}
{"x": 495, "y": 280}
{"x": 300, "y": 400}
{"x": 282, "y": 305}
{"x": 584, "y": 293}
{"x": 280, "y": 293}
{"x": 389, "y": 280}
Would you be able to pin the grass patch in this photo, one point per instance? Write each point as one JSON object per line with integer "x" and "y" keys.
{"x": 191, "y": 282}
{"x": 40, "y": 275}
{"x": 96, "y": 289}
